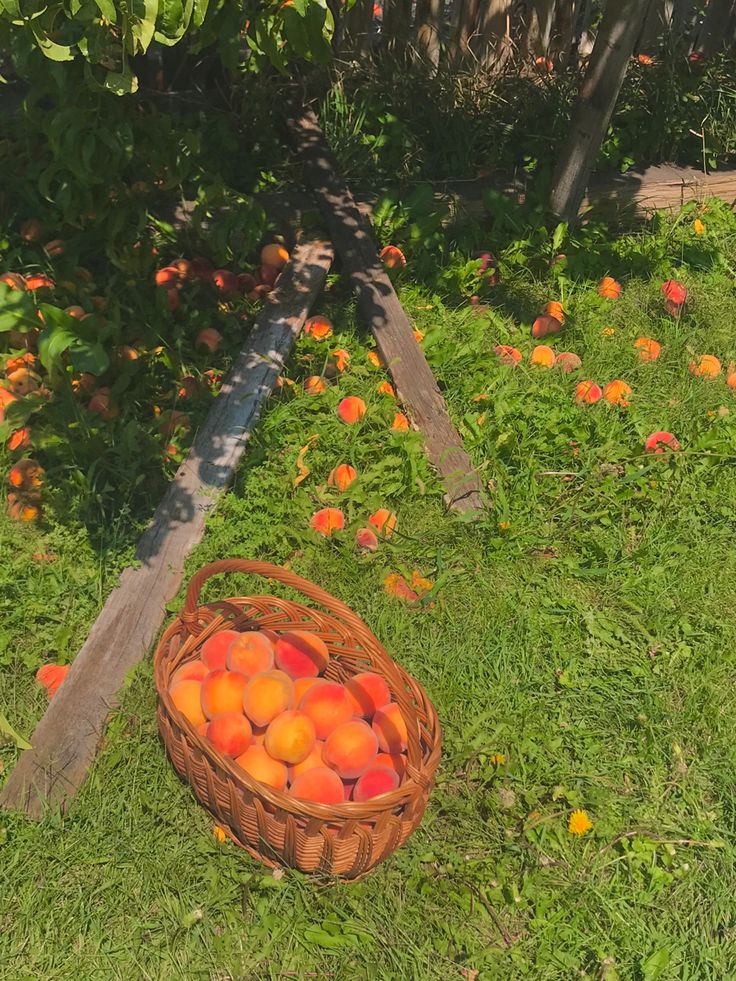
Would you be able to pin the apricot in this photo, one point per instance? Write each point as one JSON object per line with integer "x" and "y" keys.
{"x": 266, "y": 696}
{"x": 554, "y": 309}
{"x": 508, "y": 355}
{"x": 609, "y": 288}
{"x": 301, "y": 654}
{"x": 302, "y": 686}
{"x": 187, "y": 697}
{"x": 648, "y": 349}
{"x": 545, "y": 325}
{"x": 615, "y": 392}
{"x": 102, "y": 404}
{"x": 661, "y": 442}
{"x": 384, "y": 521}
{"x": 222, "y": 691}
{"x": 351, "y": 410}
{"x": 394, "y": 761}
{"x": 274, "y": 255}
{"x": 386, "y": 388}
{"x": 251, "y": 653}
{"x": 320, "y": 328}
{"x": 20, "y": 439}
{"x": 390, "y": 728}
{"x": 328, "y": 706}
{"x": 375, "y": 781}
{"x": 191, "y": 671}
{"x": 327, "y": 520}
{"x": 588, "y": 392}
{"x": 351, "y": 748}
{"x": 230, "y": 733}
{"x": 39, "y": 282}
{"x": 24, "y": 507}
{"x": 314, "y": 385}
{"x": 339, "y": 361}
{"x": 367, "y": 540}
{"x": 567, "y": 361}
{"x": 226, "y": 281}
{"x": 168, "y": 276}
{"x": 392, "y": 257}
{"x": 22, "y": 382}
{"x": 319, "y": 785}
{"x": 202, "y": 730}
{"x": 215, "y": 648}
{"x": 26, "y": 474}
{"x": 313, "y": 759}
{"x": 542, "y": 356}
{"x": 400, "y": 423}
{"x": 342, "y": 476}
{"x": 368, "y": 692}
{"x": 290, "y": 737}
{"x": 674, "y": 293}
{"x": 261, "y": 767}
{"x": 708, "y": 367}
{"x": 208, "y": 338}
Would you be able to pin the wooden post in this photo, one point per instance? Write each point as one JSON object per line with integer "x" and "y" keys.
{"x": 492, "y": 43}
{"x": 465, "y": 27}
{"x": 612, "y": 50}
{"x": 428, "y": 17}
{"x": 377, "y": 300}
{"x": 712, "y": 34}
{"x": 66, "y": 739}
{"x": 358, "y": 28}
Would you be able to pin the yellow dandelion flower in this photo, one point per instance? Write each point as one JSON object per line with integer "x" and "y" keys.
{"x": 219, "y": 833}
{"x": 608, "y": 332}
{"x": 579, "y": 823}
{"x": 498, "y": 759}
{"x": 699, "y": 227}
{"x": 504, "y": 525}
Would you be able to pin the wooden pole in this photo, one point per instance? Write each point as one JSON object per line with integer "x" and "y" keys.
{"x": 614, "y": 45}
{"x": 492, "y": 43}
{"x": 380, "y": 307}
{"x": 712, "y": 35}
{"x": 66, "y": 739}
{"x": 428, "y": 17}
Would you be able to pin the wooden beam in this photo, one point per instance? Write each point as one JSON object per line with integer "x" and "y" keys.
{"x": 66, "y": 739}
{"x": 382, "y": 311}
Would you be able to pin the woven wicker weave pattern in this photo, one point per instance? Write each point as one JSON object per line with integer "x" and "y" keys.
{"x": 345, "y": 840}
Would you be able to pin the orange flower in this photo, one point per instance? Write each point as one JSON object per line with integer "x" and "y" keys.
{"x": 609, "y": 288}
{"x": 507, "y": 354}
{"x": 319, "y": 328}
{"x": 374, "y": 359}
{"x": 314, "y": 385}
{"x": 351, "y": 410}
{"x": 342, "y": 357}
{"x": 327, "y": 520}
{"x": 708, "y": 367}
{"x": 385, "y": 388}
{"x": 400, "y": 423}
{"x": 554, "y": 309}
{"x": 418, "y": 336}
{"x": 543, "y": 356}
{"x": 648, "y": 349}
{"x": 615, "y": 392}
{"x": 384, "y": 521}
{"x": 342, "y": 476}
{"x": 51, "y": 676}
{"x": 366, "y": 539}
{"x": 588, "y": 392}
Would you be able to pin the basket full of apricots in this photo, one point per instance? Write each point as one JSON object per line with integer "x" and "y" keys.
{"x": 310, "y": 746}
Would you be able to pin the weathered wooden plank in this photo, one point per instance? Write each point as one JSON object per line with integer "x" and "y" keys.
{"x": 67, "y": 737}
{"x": 382, "y": 311}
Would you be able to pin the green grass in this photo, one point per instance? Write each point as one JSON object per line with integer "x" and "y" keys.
{"x": 584, "y": 630}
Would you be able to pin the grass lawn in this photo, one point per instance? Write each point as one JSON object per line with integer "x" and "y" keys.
{"x": 578, "y": 643}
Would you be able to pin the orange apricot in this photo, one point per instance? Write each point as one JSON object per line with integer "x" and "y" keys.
{"x": 367, "y": 540}
{"x": 22, "y": 382}
{"x": 375, "y": 781}
{"x": 648, "y": 349}
{"x": 542, "y": 356}
{"x": 567, "y": 362}
{"x": 708, "y": 367}
{"x": 341, "y": 359}
{"x": 274, "y": 255}
{"x": 190, "y": 671}
{"x": 327, "y": 520}
{"x": 319, "y": 785}
{"x": 554, "y": 309}
{"x": 39, "y": 282}
{"x": 230, "y": 733}
{"x": 588, "y": 392}
{"x": 351, "y": 748}
{"x": 20, "y": 439}
{"x": 251, "y": 653}
{"x": 301, "y": 654}
{"x": 226, "y": 281}
{"x": 313, "y": 759}
{"x": 392, "y": 257}
{"x": 400, "y": 423}
{"x": 609, "y": 288}
{"x": 390, "y": 728}
{"x": 26, "y": 474}
{"x": 675, "y": 294}
{"x": 202, "y": 730}
{"x": 314, "y": 385}
{"x": 374, "y": 358}
{"x": 395, "y": 761}
{"x": 215, "y": 648}
{"x": 261, "y": 767}
{"x": 545, "y": 325}
{"x": 319, "y": 328}
{"x": 661, "y": 442}
{"x": 266, "y": 696}
{"x": 302, "y": 686}
{"x": 24, "y": 507}
{"x": 615, "y": 392}
{"x": 291, "y": 736}
{"x": 351, "y": 410}
{"x": 384, "y": 521}
{"x": 52, "y": 676}
{"x": 368, "y": 692}
{"x": 342, "y": 476}
{"x": 187, "y": 697}
{"x": 103, "y": 404}
{"x": 328, "y": 706}
{"x": 208, "y": 338}
{"x": 508, "y": 355}
{"x": 222, "y": 691}
{"x": 386, "y": 388}
{"x": 167, "y": 276}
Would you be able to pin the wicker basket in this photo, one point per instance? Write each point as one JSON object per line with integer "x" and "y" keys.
{"x": 345, "y": 840}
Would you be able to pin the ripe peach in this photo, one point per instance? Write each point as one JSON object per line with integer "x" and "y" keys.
{"x": 351, "y": 410}
{"x": 615, "y": 392}
{"x": 320, "y": 785}
{"x": 261, "y": 767}
{"x": 567, "y": 362}
{"x": 215, "y": 648}
{"x": 386, "y": 388}
{"x": 708, "y": 367}
{"x": 251, "y": 653}
{"x": 367, "y": 540}
{"x": 301, "y": 654}
{"x": 542, "y": 356}
{"x": 314, "y": 385}
{"x": 395, "y": 761}
{"x": 202, "y": 730}
{"x": 309, "y": 762}
{"x": 187, "y": 697}
{"x": 369, "y": 692}
{"x": 588, "y": 392}
{"x": 168, "y": 276}
{"x": 545, "y": 325}
{"x": 226, "y": 281}
{"x": 290, "y": 737}
{"x": 342, "y": 476}
{"x": 390, "y": 727}
{"x": 230, "y": 733}
{"x": 328, "y": 706}
{"x": 384, "y": 521}
{"x": 400, "y": 423}
{"x": 375, "y": 781}
{"x": 327, "y": 520}
{"x": 222, "y": 691}
{"x": 648, "y": 349}
{"x": 351, "y": 748}
{"x": 392, "y": 257}
{"x": 320, "y": 328}
{"x": 208, "y": 338}
{"x": 266, "y": 696}
{"x": 190, "y": 671}
{"x": 661, "y": 442}
{"x": 274, "y": 255}
{"x": 508, "y": 355}
{"x": 609, "y": 288}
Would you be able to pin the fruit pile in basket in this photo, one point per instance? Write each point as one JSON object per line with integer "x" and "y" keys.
{"x": 260, "y": 698}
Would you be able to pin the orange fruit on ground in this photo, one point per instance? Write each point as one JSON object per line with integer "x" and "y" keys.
{"x": 342, "y": 476}
{"x": 258, "y": 764}
{"x": 708, "y": 367}
{"x": 327, "y": 705}
{"x": 230, "y": 733}
{"x": 186, "y": 696}
{"x": 615, "y": 392}
{"x": 319, "y": 785}
{"x": 400, "y": 423}
{"x": 301, "y": 654}
{"x": 542, "y": 356}
{"x": 251, "y": 653}
{"x": 648, "y": 348}
{"x": 368, "y": 692}
{"x": 266, "y": 696}
{"x": 215, "y": 648}
{"x": 508, "y": 355}
{"x": 375, "y": 781}
{"x": 274, "y": 255}
{"x": 351, "y": 748}
{"x": 392, "y": 257}
{"x": 609, "y": 288}
{"x": 290, "y": 737}
{"x": 327, "y": 520}
{"x": 545, "y": 325}
{"x": 222, "y": 691}
{"x": 390, "y": 728}
{"x": 351, "y": 410}
{"x": 314, "y": 385}
{"x": 661, "y": 442}
{"x": 367, "y": 540}
{"x": 554, "y": 309}
{"x": 319, "y": 328}
{"x": 588, "y": 392}
{"x": 567, "y": 362}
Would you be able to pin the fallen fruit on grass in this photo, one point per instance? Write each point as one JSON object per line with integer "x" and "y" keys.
{"x": 392, "y": 257}
{"x": 545, "y": 325}
{"x": 291, "y": 736}
{"x": 390, "y": 728}
{"x": 340, "y": 360}
{"x": 314, "y": 385}
{"x": 222, "y": 691}
{"x": 400, "y": 423}
{"x": 13, "y": 281}
{"x": 554, "y": 309}
{"x": 230, "y": 733}
{"x": 609, "y": 288}
{"x": 367, "y": 540}
{"x": 327, "y": 706}
{"x": 267, "y": 695}
{"x": 51, "y": 676}
{"x": 542, "y": 356}
{"x": 351, "y": 748}
{"x": 615, "y": 392}
{"x": 251, "y": 653}
{"x": 351, "y": 410}
{"x": 186, "y": 696}
{"x": 20, "y": 439}
{"x": 226, "y": 281}
{"x": 301, "y": 654}
{"x": 261, "y": 767}
{"x": 384, "y": 521}
{"x": 320, "y": 328}
{"x": 647, "y": 348}
{"x": 396, "y": 585}
{"x": 39, "y": 282}
{"x": 168, "y": 276}
{"x": 209, "y": 338}
{"x": 191, "y": 671}
{"x": 507, "y": 354}
{"x": 327, "y": 521}
{"x": 24, "y": 507}
{"x": 568, "y": 362}
{"x": 319, "y": 785}
{"x": 26, "y": 475}
{"x": 674, "y": 292}
{"x": 374, "y": 359}
{"x": 386, "y": 388}
{"x": 22, "y": 382}
{"x": 274, "y": 255}
{"x": 708, "y": 367}
{"x": 215, "y": 648}
{"x": 368, "y": 692}
{"x": 375, "y": 781}
{"x": 342, "y": 476}
{"x": 588, "y": 392}
{"x": 103, "y": 405}
{"x": 661, "y": 442}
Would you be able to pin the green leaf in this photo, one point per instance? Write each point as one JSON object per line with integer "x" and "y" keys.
{"x": 17, "y": 310}
{"x": 107, "y": 9}
{"x": 9, "y": 732}
{"x": 121, "y": 83}
{"x": 143, "y": 22}
{"x": 65, "y": 334}
{"x": 52, "y": 50}
{"x": 655, "y": 965}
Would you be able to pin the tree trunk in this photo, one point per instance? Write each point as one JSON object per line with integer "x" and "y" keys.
{"x": 563, "y": 32}
{"x": 429, "y": 13}
{"x": 465, "y": 27}
{"x": 712, "y": 34}
{"x": 396, "y": 21}
{"x": 614, "y": 45}
{"x": 539, "y": 30}
{"x": 492, "y": 42}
